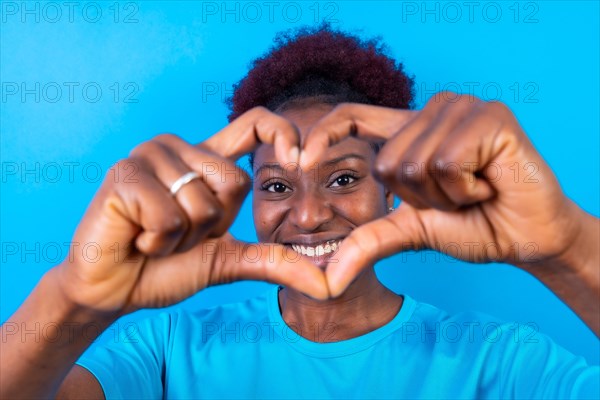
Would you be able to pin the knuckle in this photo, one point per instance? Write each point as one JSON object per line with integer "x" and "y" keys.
{"x": 443, "y": 97}
{"x": 166, "y": 137}
{"x": 468, "y": 99}
{"x": 208, "y": 214}
{"x": 447, "y": 94}
{"x": 444, "y": 167}
{"x": 116, "y": 170}
{"x": 498, "y": 107}
{"x": 410, "y": 173}
{"x": 258, "y": 112}
{"x": 385, "y": 169}
{"x": 342, "y": 108}
{"x": 429, "y": 113}
{"x": 451, "y": 97}
{"x": 171, "y": 224}
{"x": 146, "y": 149}
{"x": 411, "y": 177}
{"x": 441, "y": 159}
{"x": 284, "y": 123}
{"x": 264, "y": 119}
{"x": 127, "y": 170}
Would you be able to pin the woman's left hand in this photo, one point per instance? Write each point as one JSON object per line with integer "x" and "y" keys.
{"x": 472, "y": 184}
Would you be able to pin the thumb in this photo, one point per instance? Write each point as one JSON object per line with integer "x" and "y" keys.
{"x": 236, "y": 260}
{"x": 399, "y": 231}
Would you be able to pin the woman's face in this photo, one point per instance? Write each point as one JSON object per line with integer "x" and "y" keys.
{"x": 312, "y": 211}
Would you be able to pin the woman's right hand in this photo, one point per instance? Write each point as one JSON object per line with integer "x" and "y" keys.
{"x": 139, "y": 246}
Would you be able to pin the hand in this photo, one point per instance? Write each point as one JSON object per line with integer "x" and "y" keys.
{"x": 156, "y": 249}
{"x": 472, "y": 186}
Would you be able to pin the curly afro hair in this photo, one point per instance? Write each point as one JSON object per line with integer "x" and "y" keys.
{"x": 324, "y": 64}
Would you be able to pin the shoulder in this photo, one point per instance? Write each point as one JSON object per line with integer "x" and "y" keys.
{"x": 472, "y": 335}
{"x": 472, "y": 326}
{"x": 515, "y": 356}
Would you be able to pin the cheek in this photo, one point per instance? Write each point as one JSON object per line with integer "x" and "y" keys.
{"x": 265, "y": 217}
{"x": 367, "y": 204}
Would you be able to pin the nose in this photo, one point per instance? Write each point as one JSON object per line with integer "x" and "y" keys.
{"x": 310, "y": 210}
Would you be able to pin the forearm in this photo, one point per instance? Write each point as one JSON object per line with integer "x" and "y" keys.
{"x": 42, "y": 341}
{"x": 575, "y": 275}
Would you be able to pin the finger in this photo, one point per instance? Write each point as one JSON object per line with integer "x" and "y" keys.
{"x": 405, "y": 195}
{"x": 224, "y": 260}
{"x": 131, "y": 207}
{"x": 405, "y": 164}
{"x": 268, "y": 262}
{"x": 148, "y": 205}
{"x": 390, "y": 170}
{"x": 348, "y": 119}
{"x": 200, "y": 207}
{"x": 225, "y": 181}
{"x": 132, "y": 214}
{"x": 396, "y": 232}
{"x": 464, "y": 155}
{"x": 250, "y": 130}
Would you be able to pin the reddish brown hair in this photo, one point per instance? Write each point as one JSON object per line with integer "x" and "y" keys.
{"x": 336, "y": 66}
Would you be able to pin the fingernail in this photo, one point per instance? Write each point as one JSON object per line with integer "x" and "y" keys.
{"x": 334, "y": 285}
{"x": 293, "y": 155}
{"x": 304, "y": 160}
{"x": 301, "y": 160}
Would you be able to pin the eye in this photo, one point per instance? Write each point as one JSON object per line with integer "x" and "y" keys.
{"x": 276, "y": 187}
{"x": 343, "y": 180}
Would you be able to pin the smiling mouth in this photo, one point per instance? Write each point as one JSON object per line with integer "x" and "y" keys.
{"x": 317, "y": 250}
{"x": 321, "y": 254}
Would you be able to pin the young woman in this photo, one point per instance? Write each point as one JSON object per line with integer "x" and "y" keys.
{"x": 328, "y": 121}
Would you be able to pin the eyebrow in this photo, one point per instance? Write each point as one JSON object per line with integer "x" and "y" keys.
{"x": 328, "y": 163}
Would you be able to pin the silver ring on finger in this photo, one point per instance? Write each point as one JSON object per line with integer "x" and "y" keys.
{"x": 182, "y": 181}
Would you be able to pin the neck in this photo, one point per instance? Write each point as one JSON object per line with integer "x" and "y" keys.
{"x": 365, "y": 306}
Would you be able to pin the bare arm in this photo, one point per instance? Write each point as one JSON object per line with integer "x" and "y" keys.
{"x": 80, "y": 384}
{"x": 156, "y": 248}
{"x": 574, "y": 276}
{"x": 42, "y": 341}
{"x": 452, "y": 163}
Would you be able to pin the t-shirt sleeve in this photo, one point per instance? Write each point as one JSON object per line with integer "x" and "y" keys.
{"x": 536, "y": 367}
{"x": 129, "y": 358}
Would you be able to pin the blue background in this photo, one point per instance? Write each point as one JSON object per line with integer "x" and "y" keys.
{"x": 174, "y": 62}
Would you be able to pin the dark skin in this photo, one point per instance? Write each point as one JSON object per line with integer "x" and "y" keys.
{"x": 327, "y": 202}
{"x": 172, "y": 246}
{"x": 157, "y": 249}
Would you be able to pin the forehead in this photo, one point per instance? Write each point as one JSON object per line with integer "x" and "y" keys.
{"x": 304, "y": 119}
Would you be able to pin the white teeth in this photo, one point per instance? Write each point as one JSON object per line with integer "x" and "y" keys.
{"x": 317, "y": 251}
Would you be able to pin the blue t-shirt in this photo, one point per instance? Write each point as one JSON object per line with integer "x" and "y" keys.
{"x": 246, "y": 350}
